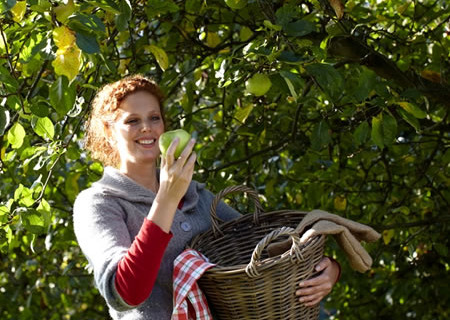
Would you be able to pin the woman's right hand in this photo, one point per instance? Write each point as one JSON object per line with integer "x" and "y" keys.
{"x": 174, "y": 180}
{"x": 176, "y": 174}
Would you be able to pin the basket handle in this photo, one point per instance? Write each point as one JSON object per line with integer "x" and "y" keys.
{"x": 294, "y": 253}
{"x": 233, "y": 189}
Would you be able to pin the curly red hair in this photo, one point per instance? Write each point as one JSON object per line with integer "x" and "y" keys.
{"x": 104, "y": 110}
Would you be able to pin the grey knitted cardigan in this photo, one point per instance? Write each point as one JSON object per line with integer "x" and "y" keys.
{"x": 108, "y": 216}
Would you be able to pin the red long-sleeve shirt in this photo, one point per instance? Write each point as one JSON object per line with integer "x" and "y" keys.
{"x": 138, "y": 269}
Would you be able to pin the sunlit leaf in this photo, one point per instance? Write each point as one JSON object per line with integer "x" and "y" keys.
{"x": 35, "y": 221}
{"x": 62, "y": 95}
{"x": 340, "y": 203}
{"x": 19, "y": 10}
{"x": 64, "y": 11}
{"x": 63, "y": 37}
{"x": 16, "y": 135}
{"x": 242, "y": 114}
{"x": 387, "y": 236}
{"x": 160, "y": 56}
{"x": 67, "y": 62}
{"x": 43, "y": 127}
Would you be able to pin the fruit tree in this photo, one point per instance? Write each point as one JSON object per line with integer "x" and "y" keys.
{"x": 353, "y": 119}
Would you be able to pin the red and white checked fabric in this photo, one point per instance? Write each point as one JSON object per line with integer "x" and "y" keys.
{"x": 188, "y": 300}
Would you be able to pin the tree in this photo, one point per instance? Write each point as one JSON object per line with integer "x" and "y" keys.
{"x": 355, "y": 122}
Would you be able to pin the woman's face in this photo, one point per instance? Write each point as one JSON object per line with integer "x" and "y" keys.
{"x": 136, "y": 130}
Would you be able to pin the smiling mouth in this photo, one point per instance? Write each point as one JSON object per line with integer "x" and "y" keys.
{"x": 146, "y": 142}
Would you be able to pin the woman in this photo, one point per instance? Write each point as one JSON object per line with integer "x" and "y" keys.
{"x": 134, "y": 221}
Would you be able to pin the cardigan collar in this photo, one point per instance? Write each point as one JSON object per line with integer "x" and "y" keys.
{"x": 115, "y": 183}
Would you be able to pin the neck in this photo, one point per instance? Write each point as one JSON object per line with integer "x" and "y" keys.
{"x": 143, "y": 175}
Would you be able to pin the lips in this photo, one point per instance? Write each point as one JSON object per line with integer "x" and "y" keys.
{"x": 146, "y": 141}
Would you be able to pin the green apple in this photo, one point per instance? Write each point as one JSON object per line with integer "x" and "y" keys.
{"x": 236, "y": 4}
{"x": 167, "y": 137}
{"x": 258, "y": 84}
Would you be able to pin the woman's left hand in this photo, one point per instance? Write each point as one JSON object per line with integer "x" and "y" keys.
{"x": 312, "y": 291}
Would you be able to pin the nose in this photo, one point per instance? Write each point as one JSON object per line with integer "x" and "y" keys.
{"x": 146, "y": 126}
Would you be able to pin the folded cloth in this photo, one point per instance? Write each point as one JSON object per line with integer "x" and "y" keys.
{"x": 347, "y": 233}
{"x": 188, "y": 300}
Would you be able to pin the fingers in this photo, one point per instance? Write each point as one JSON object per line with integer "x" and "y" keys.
{"x": 315, "y": 289}
{"x": 185, "y": 154}
{"x": 323, "y": 264}
{"x": 183, "y": 157}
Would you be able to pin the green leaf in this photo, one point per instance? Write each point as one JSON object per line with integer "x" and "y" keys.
{"x": 408, "y": 117}
{"x": 294, "y": 82}
{"x": 156, "y": 8}
{"x": 366, "y": 83}
{"x": 291, "y": 57}
{"x": 413, "y": 109}
{"x": 80, "y": 22}
{"x": 441, "y": 249}
{"x": 320, "y": 135}
{"x": 124, "y": 16}
{"x": 242, "y": 114}
{"x": 377, "y": 131}
{"x": 389, "y": 129}
{"x": 384, "y": 130}
{"x": 71, "y": 185}
{"x": 272, "y": 26}
{"x": 87, "y": 42}
{"x": 35, "y": 221}
{"x": 62, "y": 96}
{"x": 361, "y": 133}
{"x": 107, "y": 5}
{"x": 299, "y": 28}
{"x": 24, "y": 196}
{"x": 6, "y": 5}
{"x": 43, "y": 127}
{"x": 160, "y": 56}
{"x": 328, "y": 78}
{"x": 7, "y": 80}
{"x": 4, "y": 120}
{"x": 16, "y": 135}
{"x": 4, "y": 212}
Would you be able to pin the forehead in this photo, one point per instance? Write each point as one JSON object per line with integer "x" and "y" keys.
{"x": 139, "y": 102}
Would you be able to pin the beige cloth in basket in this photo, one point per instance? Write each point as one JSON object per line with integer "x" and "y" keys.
{"x": 348, "y": 235}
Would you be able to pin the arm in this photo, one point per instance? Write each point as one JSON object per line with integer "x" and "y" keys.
{"x": 312, "y": 291}
{"x": 137, "y": 271}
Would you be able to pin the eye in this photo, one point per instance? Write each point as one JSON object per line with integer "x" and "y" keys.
{"x": 131, "y": 121}
{"x": 155, "y": 118}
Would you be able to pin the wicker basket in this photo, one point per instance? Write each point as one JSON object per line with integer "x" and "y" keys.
{"x": 246, "y": 283}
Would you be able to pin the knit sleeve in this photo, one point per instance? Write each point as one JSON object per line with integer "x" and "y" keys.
{"x": 103, "y": 236}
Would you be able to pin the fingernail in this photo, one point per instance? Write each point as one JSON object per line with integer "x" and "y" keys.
{"x": 301, "y": 284}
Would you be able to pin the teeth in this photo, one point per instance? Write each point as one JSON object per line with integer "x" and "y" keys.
{"x": 146, "y": 141}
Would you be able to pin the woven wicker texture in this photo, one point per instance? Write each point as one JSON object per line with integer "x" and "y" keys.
{"x": 247, "y": 283}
